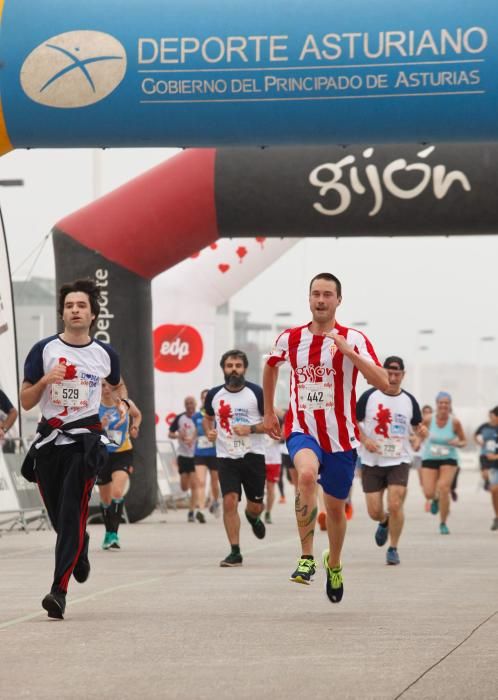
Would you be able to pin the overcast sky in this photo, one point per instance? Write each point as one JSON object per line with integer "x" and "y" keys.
{"x": 397, "y": 286}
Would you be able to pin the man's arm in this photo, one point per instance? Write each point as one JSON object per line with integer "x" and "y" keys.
{"x": 119, "y": 393}
{"x": 209, "y": 429}
{"x": 31, "y": 393}
{"x": 421, "y": 430}
{"x": 242, "y": 430}
{"x": 478, "y": 438}
{"x": 9, "y": 421}
{"x": 136, "y": 418}
{"x": 271, "y": 425}
{"x": 174, "y": 429}
{"x": 375, "y": 375}
{"x": 368, "y": 443}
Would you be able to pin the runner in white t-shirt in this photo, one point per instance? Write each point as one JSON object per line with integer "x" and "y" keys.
{"x": 320, "y": 426}
{"x": 386, "y": 420}
{"x": 273, "y": 465}
{"x": 234, "y": 419}
{"x": 63, "y": 375}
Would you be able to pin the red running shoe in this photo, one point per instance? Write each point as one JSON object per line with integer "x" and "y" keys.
{"x": 322, "y": 520}
{"x": 349, "y": 511}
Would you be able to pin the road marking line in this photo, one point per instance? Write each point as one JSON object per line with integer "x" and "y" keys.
{"x": 84, "y": 599}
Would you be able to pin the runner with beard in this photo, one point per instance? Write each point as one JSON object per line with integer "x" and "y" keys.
{"x": 234, "y": 419}
{"x": 320, "y": 428}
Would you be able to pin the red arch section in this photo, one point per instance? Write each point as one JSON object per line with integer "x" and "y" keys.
{"x": 170, "y": 207}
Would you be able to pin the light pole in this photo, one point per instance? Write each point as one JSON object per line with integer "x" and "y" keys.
{"x": 282, "y": 321}
{"x": 12, "y": 183}
{"x": 420, "y": 346}
{"x": 481, "y": 398}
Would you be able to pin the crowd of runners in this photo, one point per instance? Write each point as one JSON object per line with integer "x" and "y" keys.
{"x": 237, "y": 443}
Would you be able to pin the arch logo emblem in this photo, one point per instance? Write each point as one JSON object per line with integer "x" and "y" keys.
{"x": 74, "y": 69}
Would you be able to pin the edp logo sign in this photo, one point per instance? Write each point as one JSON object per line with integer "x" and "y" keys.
{"x": 74, "y": 69}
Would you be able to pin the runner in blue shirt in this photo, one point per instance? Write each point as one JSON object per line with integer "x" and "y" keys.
{"x": 205, "y": 459}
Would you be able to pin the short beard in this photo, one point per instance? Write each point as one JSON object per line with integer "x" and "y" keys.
{"x": 234, "y": 381}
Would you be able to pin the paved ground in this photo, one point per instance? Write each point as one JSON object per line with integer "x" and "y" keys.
{"x": 160, "y": 619}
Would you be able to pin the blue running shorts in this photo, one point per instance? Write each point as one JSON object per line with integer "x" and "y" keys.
{"x": 336, "y": 471}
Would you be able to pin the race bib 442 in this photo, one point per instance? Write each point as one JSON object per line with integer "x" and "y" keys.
{"x": 314, "y": 396}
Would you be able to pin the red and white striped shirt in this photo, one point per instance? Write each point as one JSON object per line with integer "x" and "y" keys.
{"x": 322, "y": 385}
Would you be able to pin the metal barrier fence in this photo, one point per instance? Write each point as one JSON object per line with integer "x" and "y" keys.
{"x": 20, "y": 501}
{"x": 21, "y": 505}
{"x": 169, "y": 491}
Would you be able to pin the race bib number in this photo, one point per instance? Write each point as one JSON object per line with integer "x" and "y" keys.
{"x": 391, "y": 447}
{"x": 315, "y": 396}
{"x": 71, "y": 393}
{"x": 115, "y": 435}
{"x": 490, "y": 446}
{"x": 439, "y": 450}
{"x": 238, "y": 446}
{"x": 203, "y": 443}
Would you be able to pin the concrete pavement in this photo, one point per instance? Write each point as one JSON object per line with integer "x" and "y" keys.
{"x": 161, "y": 619}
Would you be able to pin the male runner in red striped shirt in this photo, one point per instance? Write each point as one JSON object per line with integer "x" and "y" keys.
{"x": 320, "y": 426}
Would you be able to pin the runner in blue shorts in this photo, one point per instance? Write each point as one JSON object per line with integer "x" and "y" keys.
{"x": 320, "y": 426}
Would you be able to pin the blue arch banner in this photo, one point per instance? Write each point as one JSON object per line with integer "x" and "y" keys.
{"x": 197, "y": 73}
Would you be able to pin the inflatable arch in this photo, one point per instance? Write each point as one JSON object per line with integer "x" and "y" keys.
{"x": 286, "y": 72}
{"x": 171, "y": 212}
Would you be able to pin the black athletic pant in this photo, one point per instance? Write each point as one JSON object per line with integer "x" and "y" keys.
{"x": 65, "y": 484}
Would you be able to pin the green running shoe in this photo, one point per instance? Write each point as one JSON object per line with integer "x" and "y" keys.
{"x": 106, "y": 544}
{"x": 305, "y": 571}
{"x": 258, "y": 526}
{"x": 443, "y": 529}
{"x": 435, "y": 506}
{"x": 114, "y": 537}
{"x": 335, "y": 584}
{"x": 232, "y": 560}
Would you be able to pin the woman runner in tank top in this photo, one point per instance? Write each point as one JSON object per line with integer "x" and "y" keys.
{"x": 440, "y": 457}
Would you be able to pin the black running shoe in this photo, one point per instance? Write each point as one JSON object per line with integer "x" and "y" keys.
{"x": 82, "y": 569}
{"x": 335, "y": 584}
{"x": 382, "y": 533}
{"x": 55, "y": 605}
{"x": 258, "y": 526}
{"x": 305, "y": 571}
{"x": 200, "y": 517}
{"x": 232, "y": 560}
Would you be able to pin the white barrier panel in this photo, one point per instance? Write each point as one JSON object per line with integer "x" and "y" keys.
{"x": 8, "y": 497}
